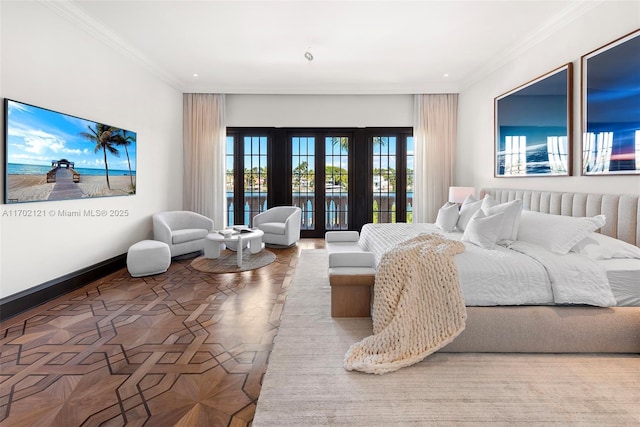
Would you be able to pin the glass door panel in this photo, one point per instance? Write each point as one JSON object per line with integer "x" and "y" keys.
{"x": 336, "y": 184}
{"x": 384, "y": 179}
{"x": 255, "y": 176}
{"x": 303, "y": 176}
{"x": 230, "y": 178}
{"x": 409, "y": 185}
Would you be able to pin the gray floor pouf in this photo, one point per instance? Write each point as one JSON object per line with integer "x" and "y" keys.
{"x": 148, "y": 257}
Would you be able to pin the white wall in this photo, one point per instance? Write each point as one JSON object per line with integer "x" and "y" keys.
{"x": 319, "y": 110}
{"x": 475, "y": 153}
{"x": 49, "y": 62}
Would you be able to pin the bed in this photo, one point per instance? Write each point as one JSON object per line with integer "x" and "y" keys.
{"x": 524, "y": 312}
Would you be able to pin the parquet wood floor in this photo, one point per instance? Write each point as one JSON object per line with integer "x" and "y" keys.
{"x": 183, "y": 348}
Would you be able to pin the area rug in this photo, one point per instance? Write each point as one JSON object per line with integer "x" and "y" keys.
{"x": 306, "y": 383}
{"x": 228, "y": 262}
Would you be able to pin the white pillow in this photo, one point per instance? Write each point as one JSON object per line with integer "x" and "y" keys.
{"x": 447, "y": 217}
{"x": 556, "y": 233}
{"x": 599, "y": 246}
{"x": 483, "y": 230}
{"x": 469, "y": 207}
{"x": 511, "y": 220}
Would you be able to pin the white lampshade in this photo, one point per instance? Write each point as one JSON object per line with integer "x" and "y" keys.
{"x": 458, "y": 194}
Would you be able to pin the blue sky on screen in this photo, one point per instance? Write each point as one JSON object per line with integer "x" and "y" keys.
{"x": 37, "y": 136}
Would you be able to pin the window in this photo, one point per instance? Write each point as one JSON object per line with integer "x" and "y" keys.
{"x": 230, "y": 178}
{"x": 384, "y": 179}
{"x": 616, "y": 151}
{"x": 597, "y": 149}
{"x": 246, "y": 175}
{"x": 255, "y": 176}
{"x": 336, "y": 190}
{"x": 409, "y": 185}
{"x": 303, "y": 160}
{"x": 558, "y": 154}
{"x": 391, "y": 176}
{"x": 328, "y": 173}
{"x": 515, "y": 155}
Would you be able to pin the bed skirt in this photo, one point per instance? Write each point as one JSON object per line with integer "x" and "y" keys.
{"x": 549, "y": 329}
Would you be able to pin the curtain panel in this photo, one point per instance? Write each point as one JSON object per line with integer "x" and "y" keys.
{"x": 204, "y": 145}
{"x": 435, "y": 134}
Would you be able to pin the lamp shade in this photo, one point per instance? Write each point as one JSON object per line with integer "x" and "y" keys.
{"x": 458, "y": 194}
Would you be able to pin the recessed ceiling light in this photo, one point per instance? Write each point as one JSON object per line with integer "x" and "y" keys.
{"x": 195, "y": 74}
{"x": 446, "y": 74}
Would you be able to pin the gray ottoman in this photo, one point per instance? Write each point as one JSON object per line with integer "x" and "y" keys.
{"x": 148, "y": 257}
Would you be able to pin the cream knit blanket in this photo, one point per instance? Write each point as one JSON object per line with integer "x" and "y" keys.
{"x": 418, "y": 306}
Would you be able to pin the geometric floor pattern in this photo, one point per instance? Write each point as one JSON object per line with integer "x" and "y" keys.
{"x": 183, "y": 348}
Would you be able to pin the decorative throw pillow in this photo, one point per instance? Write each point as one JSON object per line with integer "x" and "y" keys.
{"x": 599, "y": 246}
{"x": 469, "y": 207}
{"x": 483, "y": 230}
{"x": 469, "y": 199}
{"x": 511, "y": 210}
{"x": 447, "y": 217}
{"x": 555, "y": 232}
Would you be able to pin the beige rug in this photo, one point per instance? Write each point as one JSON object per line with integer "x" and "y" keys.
{"x": 228, "y": 262}
{"x": 306, "y": 383}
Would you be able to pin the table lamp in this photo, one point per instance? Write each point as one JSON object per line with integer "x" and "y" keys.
{"x": 458, "y": 194}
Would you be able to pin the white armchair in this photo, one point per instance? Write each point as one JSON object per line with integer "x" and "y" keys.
{"x": 183, "y": 231}
{"x": 280, "y": 224}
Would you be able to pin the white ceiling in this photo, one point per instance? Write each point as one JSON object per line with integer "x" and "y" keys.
{"x": 359, "y": 47}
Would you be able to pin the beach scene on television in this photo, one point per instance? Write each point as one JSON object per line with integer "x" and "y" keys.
{"x": 55, "y": 156}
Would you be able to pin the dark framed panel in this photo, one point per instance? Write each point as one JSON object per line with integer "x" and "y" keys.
{"x": 249, "y": 163}
{"x": 288, "y": 180}
{"x": 610, "y": 113}
{"x": 533, "y": 127}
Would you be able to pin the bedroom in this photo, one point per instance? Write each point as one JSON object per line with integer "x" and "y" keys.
{"x": 43, "y": 63}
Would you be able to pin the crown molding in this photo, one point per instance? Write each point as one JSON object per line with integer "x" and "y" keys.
{"x": 99, "y": 31}
{"x": 560, "y": 20}
{"x": 102, "y": 33}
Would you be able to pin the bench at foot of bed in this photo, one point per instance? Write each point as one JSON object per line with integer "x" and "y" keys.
{"x": 351, "y": 294}
{"x": 351, "y": 274}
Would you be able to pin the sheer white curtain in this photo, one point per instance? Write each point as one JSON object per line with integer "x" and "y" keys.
{"x": 204, "y": 148}
{"x": 434, "y": 134}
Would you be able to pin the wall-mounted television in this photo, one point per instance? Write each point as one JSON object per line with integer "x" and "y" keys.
{"x": 55, "y": 156}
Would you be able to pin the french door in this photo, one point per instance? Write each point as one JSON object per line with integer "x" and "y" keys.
{"x": 341, "y": 178}
{"x": 247, "y": 182}
{"x": 320, "y": 180}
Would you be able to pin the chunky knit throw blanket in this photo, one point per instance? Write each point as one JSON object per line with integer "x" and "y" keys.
{"x": 418, "y": 306}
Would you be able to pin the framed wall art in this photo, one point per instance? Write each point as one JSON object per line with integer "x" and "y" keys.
{"x": 610, "y": 101}
{"x": 51, "y": 155}
{"x": 533, "y": 127}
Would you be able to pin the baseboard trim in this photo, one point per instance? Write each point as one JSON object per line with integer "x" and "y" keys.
{"x": 40, "y": 294}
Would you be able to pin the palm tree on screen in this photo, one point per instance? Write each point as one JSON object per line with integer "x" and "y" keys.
{"x": 125, "y": 139}
{"x": 104, "y": 139}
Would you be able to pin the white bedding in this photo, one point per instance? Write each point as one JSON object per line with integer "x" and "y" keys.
{"x": 575, "y": 279}
{"x": 624, "y": 278}
{"x": 502, "y": 276}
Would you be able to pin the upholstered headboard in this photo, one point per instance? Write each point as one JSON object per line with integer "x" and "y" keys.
{"x": 621, "y": 210}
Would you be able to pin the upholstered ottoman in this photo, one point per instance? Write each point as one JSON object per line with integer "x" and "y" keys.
{"x": 351, "y": 274}
{"x": 148, "y": 257}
